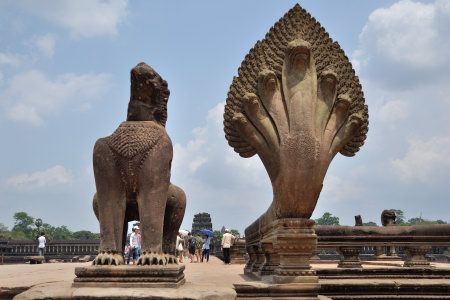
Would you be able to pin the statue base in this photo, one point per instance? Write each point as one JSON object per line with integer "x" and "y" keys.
{"x": 130, "y": 276}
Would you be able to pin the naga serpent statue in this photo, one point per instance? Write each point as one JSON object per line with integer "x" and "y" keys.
{"x": 132, "y": 176}
{"x": 296, "y": 102}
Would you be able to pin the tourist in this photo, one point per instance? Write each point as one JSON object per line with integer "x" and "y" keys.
{"x": 41, "y": 245}
{"x": 191, "y": 246}
{"x": 134, "y": 244}
{"x": 138, "y": 240}
{"x": 227, "y": 241}
{"x": 180, "y": 247}
{"x": 205, "y": 248}
{"x": 198, "y": 248}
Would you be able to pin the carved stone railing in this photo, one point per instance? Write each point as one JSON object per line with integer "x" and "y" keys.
{"x": 415, "y": 241}
{"x": 350, "y": 241}
{"x": 237, "y": 252}
{"x": 17, "y": 249}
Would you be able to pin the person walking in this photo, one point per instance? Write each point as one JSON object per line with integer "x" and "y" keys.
{"x": 191, "y": 246}
{"x": 41, "y": 244}
{"x": 179, "y": 247}
{"x": 227, "y": 241}
{"x": 205, "y": 248}
{"x": 198, "y": 248}
{"x": 138, "y": 242}
{"x": 134, "y": 244}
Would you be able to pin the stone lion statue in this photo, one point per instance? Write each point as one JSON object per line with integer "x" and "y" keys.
{"x": 132, "y": 177}
{"x": 388, "y": 217}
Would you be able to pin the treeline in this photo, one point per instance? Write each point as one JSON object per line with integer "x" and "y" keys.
{"x": 329, "y": 219}
{"x": 27, "y": 227}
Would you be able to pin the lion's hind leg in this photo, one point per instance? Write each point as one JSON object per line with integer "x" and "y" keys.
{"x": 173, "y": 217}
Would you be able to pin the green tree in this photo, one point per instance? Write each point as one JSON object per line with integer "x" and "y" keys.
{"x": 420, "y": 221}
{"x": 217, "y": 240}
{"x": 400, "y": 217}
{"x": 235, "y": 232}
{"x": 370, "y": 224}
{"x": 23, "y": 225}
{"x": 85, "y": 235}
{"x": 327, "y": 219}
{"x": 4, "y": 232}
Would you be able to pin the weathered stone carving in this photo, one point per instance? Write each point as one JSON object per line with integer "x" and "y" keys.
{"x": 296, "y": 102}
{"x": 388, "y": 217}
{"x": 132, "y": 176}
{"x": 358, "y": 220}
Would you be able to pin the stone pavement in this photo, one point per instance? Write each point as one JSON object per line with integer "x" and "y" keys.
{"x": 211, "y": 280}
{"x": 53, "y": 280}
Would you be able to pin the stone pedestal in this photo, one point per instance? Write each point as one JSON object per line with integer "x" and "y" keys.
{"x": 415, "y": 256}
{"x": 285, "y": 270}
{"x": 251, "y": 259}
{"x": 272, "y": 260}
{"x": 349, "y": 257}
{"x": 130, "y": 276}
{"x": 295, "y": 243}
{"x": 260, "y": 259}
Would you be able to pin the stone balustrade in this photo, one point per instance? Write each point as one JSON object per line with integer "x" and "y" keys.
{"x": 412, "y": 242}
{"x": 17, "y": 249}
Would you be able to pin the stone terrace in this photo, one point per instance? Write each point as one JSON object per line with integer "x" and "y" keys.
{"x": 212, "y": 280}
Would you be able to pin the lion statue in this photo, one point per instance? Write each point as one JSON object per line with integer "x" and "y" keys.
{"x": 388, "y": 217}
{"x": 132, "y": 177}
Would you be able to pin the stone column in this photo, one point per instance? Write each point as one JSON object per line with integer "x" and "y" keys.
{"x": 349, "y": 257}
{"x": 272, "y": 259}
{"x": 415, "y": 256}
{"x": 295, "y": 242}
{"x": 251, "y": 259}
{"x": 260, "y": 259}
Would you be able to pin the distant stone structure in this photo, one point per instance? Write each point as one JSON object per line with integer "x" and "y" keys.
{"x": 296, "y": 102}
{"x": 201, "y": 221}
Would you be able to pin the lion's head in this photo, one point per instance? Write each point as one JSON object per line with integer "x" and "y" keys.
{"x": 388, "y": 217}
{"x": 149, "y": 95}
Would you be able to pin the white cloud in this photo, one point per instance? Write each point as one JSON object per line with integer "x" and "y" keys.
{"x": 31, "y": 96}
{"x": 344, "y": 188}
{"x": 191, "y": 156}
{"x": 406, "y": 44}
{"x": 423, "y": 159}
{"x": 403, "y": 33}
{"x": 54, "y": 176}
{"x": 83, "y": 18}
{"x": 45, "y": 44}
{"x": 216, "y": 179}
{"x": 11, "y": 59}
{"x": 393, "y": 111}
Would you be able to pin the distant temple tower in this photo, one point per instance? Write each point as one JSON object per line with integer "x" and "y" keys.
{"x": 201, "y": 221}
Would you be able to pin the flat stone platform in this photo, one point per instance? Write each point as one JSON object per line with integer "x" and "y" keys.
{"x": 212, "y": 280}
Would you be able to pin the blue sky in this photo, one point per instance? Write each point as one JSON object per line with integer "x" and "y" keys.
{"x": 64, "y": 82}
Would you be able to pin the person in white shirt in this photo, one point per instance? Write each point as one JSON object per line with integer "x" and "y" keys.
{"x": 41, "y": 246}
{"x": 227, "y": 241}
{"x": 135, "y": 243}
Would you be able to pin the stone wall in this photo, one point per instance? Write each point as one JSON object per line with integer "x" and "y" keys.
{"x": 16, "y": 250}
